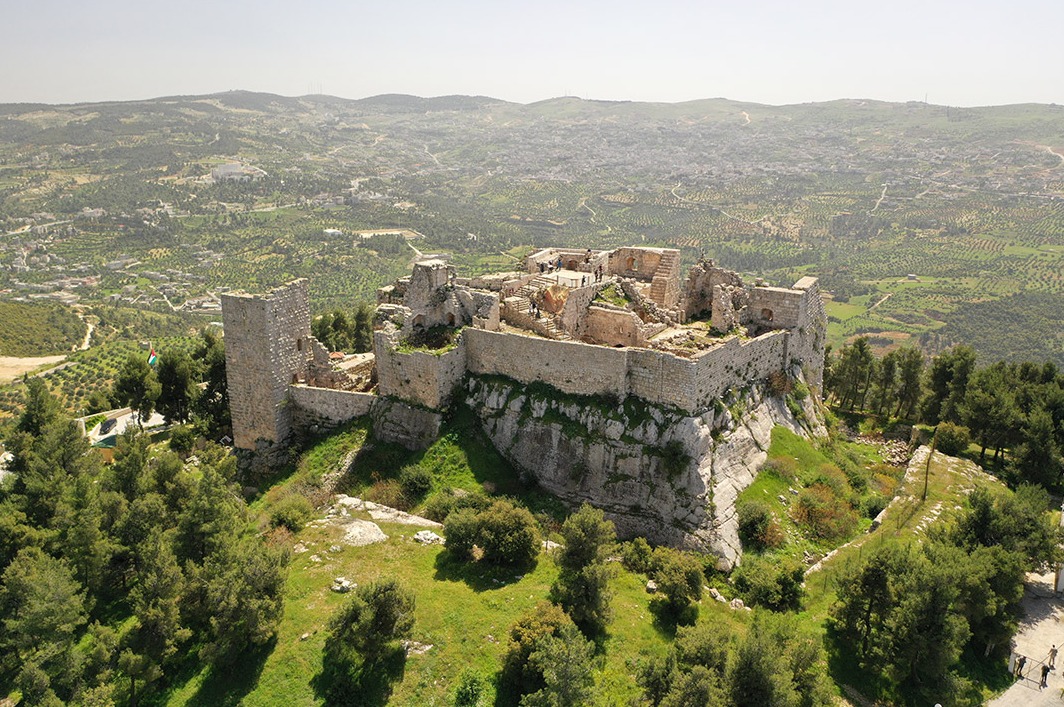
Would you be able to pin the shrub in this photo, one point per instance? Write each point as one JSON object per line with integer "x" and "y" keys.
{"x": 462, "y": 530}
{"x": 415, "y": 481}
{"x": 292, "y": 512}
{"x": 678, "y": 576}
{"x": 775, "y": 584}
{"x": 779, "y": 384}
{"x": 440, "y": 505}
{"x": 376, "y": 615}
{"x": 758, "y": 527}
{"x": 519, "y": 675}
{"x": 387, "y": 493}
{"x": 952, "y": 439}
{"x": 470, "y": 691}
{"x": 823, "y": 513}
{"x": 785, "y": 467}
{"x": 636, "y": 555}
{"x": 674, "y": 458}
{"x": 508, "y": 535}
{"x": 443, "y": 503}
{"x": 832, "y": 477}
{"x": 589, "y": 537}
{"x": 183, "y": 439}
{"x": 873, "y": 505}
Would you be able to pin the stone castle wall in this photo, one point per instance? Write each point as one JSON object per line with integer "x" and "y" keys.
{"x": 638, "y": 263}
{"x": 266, "y": 346}
{"x": 576, "y": 304}
{"x": 569, "y": 366}
{"x": 608, "y": 326}
{"x": 327, "y": 407}
{"x": 422, "y": 377}
{"x": 808, "y": 346}
{"x": 736, "y": 363}
{"x": 658, "y": 377}
{"x": 777, "y": 307}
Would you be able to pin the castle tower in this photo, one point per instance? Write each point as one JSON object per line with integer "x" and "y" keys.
{"x": 266, "y": 349}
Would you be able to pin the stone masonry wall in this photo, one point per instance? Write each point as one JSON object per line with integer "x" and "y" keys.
{"x": 612, "y": 327}
{"x": 422, "y": 377}
{"x": 644, "y": 262}
{"x": 265, "y": 347}
{"x": 701, "y": 280}
{"x": 662, "y": 378}
{"x": 393, "y": 420}
{"x": 655, "y": 376}
{"x": 327, "y": 407}
{"x": 576, "y": 304}
{"x": 808, "y": 345}
{"x": 569, "y": 366}
{"x": 737, "y": 363}
{"x": 787, "y": 307}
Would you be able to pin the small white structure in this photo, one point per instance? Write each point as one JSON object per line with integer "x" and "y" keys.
{"x": 236, "y": 172}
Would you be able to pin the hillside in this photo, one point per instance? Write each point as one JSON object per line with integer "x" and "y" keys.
{"x": 118, "y": 200}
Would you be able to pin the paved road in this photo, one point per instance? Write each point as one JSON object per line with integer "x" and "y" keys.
{"x": 1040, "y": 629}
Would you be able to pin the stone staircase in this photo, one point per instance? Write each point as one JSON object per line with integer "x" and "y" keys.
{"x": 547, "y": 324}
{"x": 664, "y": 287}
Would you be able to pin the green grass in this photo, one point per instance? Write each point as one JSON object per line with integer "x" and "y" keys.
{"x": 463, "y": 611}
{"x": 843, "y": 310}
{"x": 949, "y": 481}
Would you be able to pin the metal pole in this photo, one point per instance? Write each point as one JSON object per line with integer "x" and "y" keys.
{"x": 927, "y": 469}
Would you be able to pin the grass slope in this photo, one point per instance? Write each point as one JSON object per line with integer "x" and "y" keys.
{"x": 463, "y": 611}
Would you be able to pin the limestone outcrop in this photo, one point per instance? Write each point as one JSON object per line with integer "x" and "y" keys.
{"x": 658, "y": 472}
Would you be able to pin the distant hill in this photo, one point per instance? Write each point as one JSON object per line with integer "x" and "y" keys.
{"x": 860, "y": 192}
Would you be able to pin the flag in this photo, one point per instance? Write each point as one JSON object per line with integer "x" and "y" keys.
{"x": 152, "y": 357}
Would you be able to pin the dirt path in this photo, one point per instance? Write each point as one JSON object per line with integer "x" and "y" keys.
{"x": 882, "y": 196}
{"x": 885, "y": 298}
{"x": 11, "y": 367}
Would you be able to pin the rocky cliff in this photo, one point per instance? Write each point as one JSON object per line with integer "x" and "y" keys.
{"x": 658, "y": 472}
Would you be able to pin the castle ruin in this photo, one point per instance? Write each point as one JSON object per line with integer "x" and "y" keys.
{"x": 623, "y": 327}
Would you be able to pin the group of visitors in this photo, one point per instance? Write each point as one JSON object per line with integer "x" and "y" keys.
{"x": 1048, "y": 665}
{"x": 553, "y": 265}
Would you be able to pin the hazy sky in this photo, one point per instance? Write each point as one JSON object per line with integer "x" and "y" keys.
{"x": 769, "y": 51}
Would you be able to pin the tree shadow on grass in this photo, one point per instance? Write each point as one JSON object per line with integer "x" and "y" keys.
{"x": 347, "y": 679}
{"x": 844, "y": 666}
{"x": 228, "y": 684}
{"x": 667, "y": 617}
{"x": 478, "y": 576}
